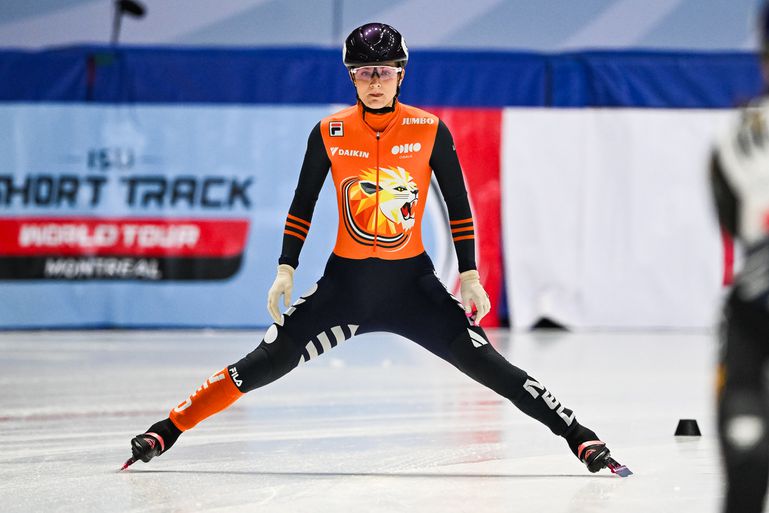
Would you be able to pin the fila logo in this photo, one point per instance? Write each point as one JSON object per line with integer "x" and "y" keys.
{"x": 336, "y": 128}
{"x": 348, "y": 153}
{"x": 535, "y": 388}
{"x": 418, "y": 121}
{"x": 406, "y": 148}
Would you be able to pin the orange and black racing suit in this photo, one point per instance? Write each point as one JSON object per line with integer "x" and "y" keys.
{"x": 379, "y": 277}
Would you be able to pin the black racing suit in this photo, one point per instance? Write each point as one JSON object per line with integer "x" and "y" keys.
{"x": 743, "y": 399}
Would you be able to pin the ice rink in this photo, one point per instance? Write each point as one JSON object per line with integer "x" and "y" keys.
{"x": 376, "y": 425}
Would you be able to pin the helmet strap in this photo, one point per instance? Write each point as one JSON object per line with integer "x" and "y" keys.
{"x": 383, "y": 110}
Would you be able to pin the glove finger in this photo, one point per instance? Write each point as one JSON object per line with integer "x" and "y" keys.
{"x": 482, "y": 311}
{"x": 478, "y": 310}
{"x": 272, "y": 305}
{"x": 274, "y": 313}
{"x": 484, "y": 307}
{"x": 287, "y": 297}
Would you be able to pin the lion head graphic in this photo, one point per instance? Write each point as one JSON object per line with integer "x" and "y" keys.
{"x": 398, "y": 196}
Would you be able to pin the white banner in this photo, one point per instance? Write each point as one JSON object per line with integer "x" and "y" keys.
{"x": 607, "y": 217}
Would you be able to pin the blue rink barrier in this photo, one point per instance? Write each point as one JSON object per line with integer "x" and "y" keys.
{"x": 222, "y": 133}
{"x": 450, "y": 79}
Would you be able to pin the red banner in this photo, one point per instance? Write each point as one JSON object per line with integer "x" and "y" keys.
{"x": 127, "y": 237}
{"x": 477, "y": 136}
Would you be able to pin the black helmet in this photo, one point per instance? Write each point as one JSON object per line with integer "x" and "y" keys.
{"x": 373, "y": 43}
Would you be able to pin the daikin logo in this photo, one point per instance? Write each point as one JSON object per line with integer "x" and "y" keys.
{"x": 405, "y": 148}
{"x": 348, "y": 153}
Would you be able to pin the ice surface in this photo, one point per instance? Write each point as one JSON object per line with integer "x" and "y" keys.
{"x": 376, "y": 425}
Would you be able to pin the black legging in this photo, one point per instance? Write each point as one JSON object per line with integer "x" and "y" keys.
{"x": 396, "y": 296}
{"x": 743, "y": 406}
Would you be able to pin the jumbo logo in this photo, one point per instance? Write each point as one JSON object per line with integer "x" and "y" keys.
{"x": 418, "y": 121}
{"x": 405, "y": 148}
{"x": 395, "y": 195}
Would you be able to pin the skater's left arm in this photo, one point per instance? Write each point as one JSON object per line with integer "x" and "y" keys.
{"x": 448, "y": 172}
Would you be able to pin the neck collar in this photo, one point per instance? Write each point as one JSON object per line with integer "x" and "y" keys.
{"x": 378, "y": 119}
{"x": 383, "y": 110}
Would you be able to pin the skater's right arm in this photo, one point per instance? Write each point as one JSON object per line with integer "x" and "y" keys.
{"x": 314, "y": 170}
{"x": 282, "y": 286}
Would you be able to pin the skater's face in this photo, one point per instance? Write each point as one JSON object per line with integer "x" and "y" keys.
{"x": 377, "y": 85}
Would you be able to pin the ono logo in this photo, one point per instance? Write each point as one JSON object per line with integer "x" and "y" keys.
{"x": 336, "y": 150}
{"x": 406, "y": 148}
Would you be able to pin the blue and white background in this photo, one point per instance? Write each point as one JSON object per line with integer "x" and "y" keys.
{"x": 605, "y": 216}
{"x": 545, "y": 25}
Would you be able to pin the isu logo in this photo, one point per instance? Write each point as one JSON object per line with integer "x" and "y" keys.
{"x": 405, "y": 148}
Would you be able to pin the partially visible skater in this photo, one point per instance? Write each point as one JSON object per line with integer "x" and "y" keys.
{"x": 382, "y": 155}
{"x": 740, "y": 183}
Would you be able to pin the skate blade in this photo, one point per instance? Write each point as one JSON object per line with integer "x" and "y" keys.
{"x": 616, "y": 468}
{"x": 127, "y": 464}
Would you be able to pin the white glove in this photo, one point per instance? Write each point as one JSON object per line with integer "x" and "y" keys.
{"x": 282, "y": 286}
{"x": 472, "y": 293}
{"x": 744, "y": 157}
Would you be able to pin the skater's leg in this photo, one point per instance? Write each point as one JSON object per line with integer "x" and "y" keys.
{"x": 441, "y": 326}
{"x": 743, "y": 412}
{"x": 215, "y": 394}
{"x": 471, "y": 353}
{"x": 313, "y": 320}
{"x": 275, "y": 357}
{"x": 263, "y": 365}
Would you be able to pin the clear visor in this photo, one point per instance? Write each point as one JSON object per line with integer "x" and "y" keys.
{"x": 367, "y": 73}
